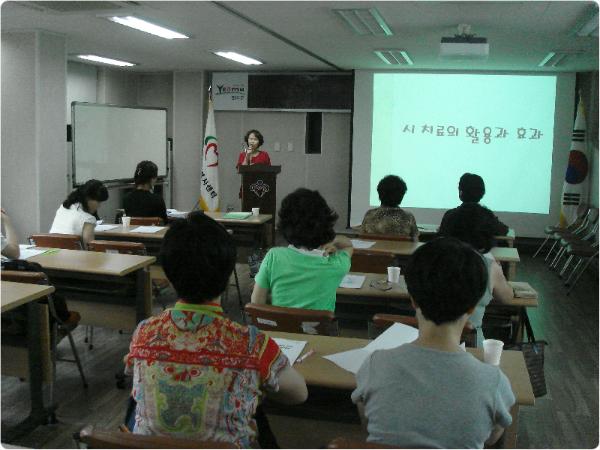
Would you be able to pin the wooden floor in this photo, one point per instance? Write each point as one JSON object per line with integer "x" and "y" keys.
{"x": 567, "y": 417}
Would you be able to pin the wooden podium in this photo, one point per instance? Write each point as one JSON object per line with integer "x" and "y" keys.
{"x": 259, "y": 190}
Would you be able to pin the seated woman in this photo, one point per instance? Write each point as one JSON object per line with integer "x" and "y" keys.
{"x": 476, "y": 225}
{"x": 79, "y": 212}
{"x": 142, "y": 202}
{"x": 197, "y": 374}
{"x": 307, "y": 273}
{"x": 10, "y": 245}
{"x": 389, "y": 218}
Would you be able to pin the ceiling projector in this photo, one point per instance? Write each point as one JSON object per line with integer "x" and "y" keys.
{"x": 464, "y": 45}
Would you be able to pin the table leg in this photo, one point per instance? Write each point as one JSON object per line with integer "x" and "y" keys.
{"x": 512, "y": 270}
{"x": 509, "y": 439}
{"x": 143, "y": 295}
{"x": 38, "y": 414}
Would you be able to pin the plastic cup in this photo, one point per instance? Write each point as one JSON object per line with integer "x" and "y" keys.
{"x": 492, "y": 351}
{"x": 126, "y": 220}
{"x": 255, "y": 212}
{"x": 393, "y": 274}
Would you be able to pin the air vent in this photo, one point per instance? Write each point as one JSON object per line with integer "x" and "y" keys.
{"x": 394, "y": 56}
{"x": 365, "y": 21}
{"x": 78, "y": 7}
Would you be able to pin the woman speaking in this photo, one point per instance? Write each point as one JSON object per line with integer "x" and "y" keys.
{"x": 252, "y": 154}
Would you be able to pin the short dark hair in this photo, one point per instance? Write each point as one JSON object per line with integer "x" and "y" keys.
{"x": 306, "y": 220}
{"x": 446, "y": 278}
{"x": 472, "y": 187}
{"x": 391, "y": 190}
{"x": 144, "y": 172}
{"x": 198, "y": 256}
{"x": 90, "y": 190}
{"x": 258, "y": 135}
{"x": 471, "y": 223}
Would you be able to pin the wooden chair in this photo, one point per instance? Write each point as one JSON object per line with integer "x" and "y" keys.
{"x": 55, "y": 240}
{"x": 383, "y": 321}
{"x": 118, "y": 439}
{"x": 384, "y": 237}
{"x": 58, "y": 325}
{"x": 292, "y": 320}
{"x": 157, "y": 221}
{"x": 124, "y": 247}
{"x": 342, "y": 442}
{"x": 370, "y": 262}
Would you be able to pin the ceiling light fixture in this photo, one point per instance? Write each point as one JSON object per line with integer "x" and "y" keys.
{"x": 239, "y": 58}
{"x": 103, "y": 60}
{"x": 147, "y": 27}
{"x": 557, "y": 57}
{"x": 365, "y": 21}
{"x": 589, "y": 27}
{"x": 394, "y": 56}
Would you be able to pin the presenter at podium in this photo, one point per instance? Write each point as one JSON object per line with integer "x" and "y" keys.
{"x": 252, "y": 154}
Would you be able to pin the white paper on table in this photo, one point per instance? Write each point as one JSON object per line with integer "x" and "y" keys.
{"x": 353, "y": 281}
{"x": 146, "y": 229}
{"x": 290, "y": 348}
{"x": 394, "y": 336}
{"x": 176, "y": 214}
{"x": 359, "y": 243}
{"x": 27, "y": 251}
{"x": 100, "y": 227}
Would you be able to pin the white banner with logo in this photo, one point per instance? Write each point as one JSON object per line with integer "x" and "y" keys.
{"x": 230, "y": 91}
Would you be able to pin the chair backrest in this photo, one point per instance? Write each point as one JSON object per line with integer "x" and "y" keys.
{"x": 55, "y": 240}
{"x": 384, "y": 237}
{"x": 292, "y": 320}
{"x": 129, "y": 248}
{"x": 365, "y": 261}
{"x": 342, "y": 442}
{"x": 384, "y": 321}
{"x": 157, "y": 221}
{"x": 24, "y": 277}
{"x": 118, "y": 439}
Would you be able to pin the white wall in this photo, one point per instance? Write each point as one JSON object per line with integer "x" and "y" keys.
{"x": 82, "y": 83}
{"x": 33, "y": 128}
{"x": 156, "y": 90}
{"x": 189, "y": 97}
{"x": 326, "y": 172}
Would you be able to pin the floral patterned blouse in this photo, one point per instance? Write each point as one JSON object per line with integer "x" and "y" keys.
{"x": 386, "y": 220}
{"x": 196, "y": 374}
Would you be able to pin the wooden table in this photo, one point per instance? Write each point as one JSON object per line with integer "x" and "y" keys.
{"x": 318, "y": 371}
{"x": 253, "y": 231}
{"x": 108, "y": 290}
{"x": 13, "y": 296}
{"x": 427, "y": 231}
{"x": 405, "y": 249}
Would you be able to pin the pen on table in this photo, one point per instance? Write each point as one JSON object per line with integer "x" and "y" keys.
{"x": 306, "y": 355}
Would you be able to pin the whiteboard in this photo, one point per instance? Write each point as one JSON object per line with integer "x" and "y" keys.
{"x": 109, "y": 141}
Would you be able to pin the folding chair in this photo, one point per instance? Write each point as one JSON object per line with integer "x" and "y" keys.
{"x": 583, "y": 253}
{"x": 118, "y": 439}
{"x": 292, "y": 320}
{"x": 582, "y": 211}
{"x": 381, "y": 322}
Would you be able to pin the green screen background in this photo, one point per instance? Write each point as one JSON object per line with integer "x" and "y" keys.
{"x": 516, "y": 171}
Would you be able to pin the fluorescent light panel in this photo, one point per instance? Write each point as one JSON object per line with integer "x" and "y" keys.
{"x": 239, "y": 58}
{"x": 590, "y": 27}
{"x": 101, "y": 59}
{"x": 365, "y": 21}
{"x": 557, "y": 57}
{"x": 147, "y": 27}
{"x": 394, "y": 56}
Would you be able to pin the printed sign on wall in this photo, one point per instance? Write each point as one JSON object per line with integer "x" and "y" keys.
{"x": 230, "y": 91}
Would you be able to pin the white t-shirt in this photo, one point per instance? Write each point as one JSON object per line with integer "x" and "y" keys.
{"x": 71, "y": 221}
{"x": 3, "y": 242}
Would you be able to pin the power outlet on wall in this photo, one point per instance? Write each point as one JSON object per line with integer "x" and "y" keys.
{"x": 276, "y": 147}
{"x": 290, "y": 146}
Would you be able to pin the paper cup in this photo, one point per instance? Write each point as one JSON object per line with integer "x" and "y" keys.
{"x": 492, "y": 351}
{"x": 255, "y": 211}
{"x": 393, "y": 274}
{"x": 126, "y": 220}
